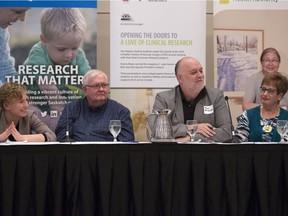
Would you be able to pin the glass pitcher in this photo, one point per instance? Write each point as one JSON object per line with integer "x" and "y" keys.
{"x": 159, "y": 126}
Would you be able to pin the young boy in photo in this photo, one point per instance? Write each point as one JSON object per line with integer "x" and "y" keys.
{"x": 56, "y": 63}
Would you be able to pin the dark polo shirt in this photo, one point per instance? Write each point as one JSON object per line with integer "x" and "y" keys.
{"x": 189, "y": 106}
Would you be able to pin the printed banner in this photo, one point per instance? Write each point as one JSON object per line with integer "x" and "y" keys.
{"x": 242, "y": 30}
{"x": 149, "y": 37}
{"x": 51, "y": 79}
{"x": 224, "y": 5}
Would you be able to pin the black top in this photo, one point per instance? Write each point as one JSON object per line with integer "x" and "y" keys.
{"x": 189, "y": 106}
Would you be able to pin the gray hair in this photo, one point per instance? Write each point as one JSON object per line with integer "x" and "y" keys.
{"x": 92, "y": 74}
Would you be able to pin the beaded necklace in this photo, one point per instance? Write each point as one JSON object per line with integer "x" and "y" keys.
{"x": 268, "y": 123}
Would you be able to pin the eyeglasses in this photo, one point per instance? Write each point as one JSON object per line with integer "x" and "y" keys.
{"x": 268, "y": 61}
{"x": 98, "y": 86}
{"x": 269, "y": 90}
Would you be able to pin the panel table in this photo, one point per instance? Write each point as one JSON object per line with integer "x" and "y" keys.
{"x": 144, "y": 179}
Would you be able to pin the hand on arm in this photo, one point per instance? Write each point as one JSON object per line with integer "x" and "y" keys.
{"x": 34, "y": 137}
{"x": 206, "y": 129}
{"x": 183, "y": 139}
{"x": 11, "y": 130}
{"x": 29, "y": 137}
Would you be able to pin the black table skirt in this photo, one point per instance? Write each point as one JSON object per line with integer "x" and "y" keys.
{"x": 144, "y": 180}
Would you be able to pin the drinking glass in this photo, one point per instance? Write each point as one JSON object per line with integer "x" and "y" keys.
{"x": 192, "y": 126}
{"x": 115, "y": 128}
{"x": 281, "y": 128}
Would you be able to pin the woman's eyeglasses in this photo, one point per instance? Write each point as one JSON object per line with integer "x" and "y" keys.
{"x": 268, "y": 61}
{"x": 269, "y": 90}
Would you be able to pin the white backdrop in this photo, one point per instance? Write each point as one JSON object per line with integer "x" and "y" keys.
{"x": 149, "y": 37}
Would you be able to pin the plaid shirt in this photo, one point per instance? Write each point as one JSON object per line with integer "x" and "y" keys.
{"x": 86, "y": 124}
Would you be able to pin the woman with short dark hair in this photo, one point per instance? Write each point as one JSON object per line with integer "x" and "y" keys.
{"x": 259, "y": 124}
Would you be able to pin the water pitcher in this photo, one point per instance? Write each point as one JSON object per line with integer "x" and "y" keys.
{"x": 159, "y": 127}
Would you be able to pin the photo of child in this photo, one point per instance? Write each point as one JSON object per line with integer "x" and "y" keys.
{"x": 54, "y": 68}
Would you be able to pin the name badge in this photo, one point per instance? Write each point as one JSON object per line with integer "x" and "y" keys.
{"x": 208, "y": 109}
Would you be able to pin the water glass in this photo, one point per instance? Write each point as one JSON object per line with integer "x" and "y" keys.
{"x": 192, "y": 126}
{"x": 282, "y": 128}
{"x": 115, "y": 128}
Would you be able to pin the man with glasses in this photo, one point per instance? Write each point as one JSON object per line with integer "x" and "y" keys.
{"x": 87, "y": 119}
{"x": 270, "y": 62}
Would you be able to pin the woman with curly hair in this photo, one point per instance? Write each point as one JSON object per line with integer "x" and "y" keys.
{"x": 17, "y": 123}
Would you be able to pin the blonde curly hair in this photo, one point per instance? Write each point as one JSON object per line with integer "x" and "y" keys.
{"x": 11, "y": 93}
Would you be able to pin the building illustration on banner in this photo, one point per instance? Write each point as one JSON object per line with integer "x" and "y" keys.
{"x": 236, "y": 55}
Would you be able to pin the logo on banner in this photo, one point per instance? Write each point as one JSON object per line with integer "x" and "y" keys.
{"x": 43, "y": 114}
{"x": 126, "y": 17}
{"x": 53, "y": 114}
{"x": 224, "y": 1}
